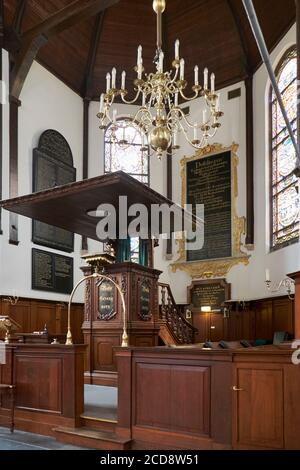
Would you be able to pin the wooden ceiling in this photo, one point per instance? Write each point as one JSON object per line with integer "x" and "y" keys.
{"x": 212, "y": 33}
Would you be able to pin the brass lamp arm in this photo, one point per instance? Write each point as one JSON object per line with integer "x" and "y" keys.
{"x": 69, "y": 340}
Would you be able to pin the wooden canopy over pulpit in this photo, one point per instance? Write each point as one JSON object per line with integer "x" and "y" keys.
{"x": 74, "y": 207}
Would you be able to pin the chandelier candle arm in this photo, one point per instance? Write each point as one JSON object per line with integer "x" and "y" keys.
{"x": 159, "y": 117}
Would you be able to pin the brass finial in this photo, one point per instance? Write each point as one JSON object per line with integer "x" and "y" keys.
{"x": 159, "y": 6}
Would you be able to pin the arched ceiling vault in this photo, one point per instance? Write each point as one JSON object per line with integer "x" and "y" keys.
{"x": 80, "y": 40}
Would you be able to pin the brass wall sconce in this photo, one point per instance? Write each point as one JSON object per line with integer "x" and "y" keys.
{"x": 69, "y": 340}
{"x": 286, "y": 283}
{"x": 12, "y": 300}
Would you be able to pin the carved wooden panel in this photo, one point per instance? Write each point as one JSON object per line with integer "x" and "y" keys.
{"x": 104, "y": 358}
{"x": 175, "y": 397}
{"x": 38, "y": 383}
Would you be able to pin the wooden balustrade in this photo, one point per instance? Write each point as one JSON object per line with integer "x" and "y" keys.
{"x": 170, "y": 315}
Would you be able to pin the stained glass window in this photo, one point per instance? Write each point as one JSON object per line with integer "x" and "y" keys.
{"x": 285, "y": 200}
{"x": 125, "y": 150}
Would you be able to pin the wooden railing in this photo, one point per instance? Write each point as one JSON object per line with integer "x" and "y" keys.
{"x": 180, "y": 329}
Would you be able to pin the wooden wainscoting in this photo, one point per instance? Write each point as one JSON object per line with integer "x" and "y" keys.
{"x": 33, "y": 315}
{"x": 259, "y": 320}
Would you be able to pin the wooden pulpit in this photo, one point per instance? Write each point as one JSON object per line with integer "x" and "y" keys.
{"x": 103, "y": 318}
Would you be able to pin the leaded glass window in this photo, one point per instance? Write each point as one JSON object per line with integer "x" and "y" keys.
{"x": 285, "y": 200}
{"x": 125, "y": 150}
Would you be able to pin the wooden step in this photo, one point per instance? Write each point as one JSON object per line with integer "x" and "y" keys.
{"x": 86, "y": 437}
{"x": 99, "y": 424}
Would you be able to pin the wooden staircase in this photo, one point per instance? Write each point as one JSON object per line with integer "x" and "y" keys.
{"x": 94, "y": 434}
{"x": 174, "y": 328}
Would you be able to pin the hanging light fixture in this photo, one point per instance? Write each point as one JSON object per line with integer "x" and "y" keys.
{"x": 160, "y": 118}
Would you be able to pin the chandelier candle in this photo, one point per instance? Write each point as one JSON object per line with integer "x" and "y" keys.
{"x": 160, "y": 119}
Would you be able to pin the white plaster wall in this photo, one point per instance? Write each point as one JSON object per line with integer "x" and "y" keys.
{"x": 46, "y": 104}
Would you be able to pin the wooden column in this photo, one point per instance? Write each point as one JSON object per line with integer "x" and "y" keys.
{"x": 250, "y": 158}
{"x": 85, "y": 163}
{"x": 296, "y": 278}
{"x": 13, "y": 166}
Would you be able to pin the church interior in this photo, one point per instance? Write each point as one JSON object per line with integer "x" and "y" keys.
{"x": 149, "y": 224}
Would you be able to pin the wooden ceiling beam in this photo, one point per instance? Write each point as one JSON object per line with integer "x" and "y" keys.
{"x": 36, "y": 37}
{"x": 1, "y": 23}
{"x": 94, "y": 45}
{"x": 19, "y": 16}
{"x": 243, "y": 39}
{"x": 77, "y": 11}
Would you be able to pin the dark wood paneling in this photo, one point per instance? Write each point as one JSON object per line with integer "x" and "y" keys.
{"x": 195, "y": 399}
{"x": 176, "y": 398}
{"x": 263, "y": 320}
{"x": 39, "y": 383}
{"x": 49, "y": 385}
{"x": 103, "y": 351}
{"x": 33, "y": 315}
{"x": 259, "y": 320}
{"x": 260, "y": 407}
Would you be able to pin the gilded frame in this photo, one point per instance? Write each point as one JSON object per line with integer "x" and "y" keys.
{"x": 220, "y": 267}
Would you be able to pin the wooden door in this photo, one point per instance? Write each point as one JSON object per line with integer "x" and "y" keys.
{"x": 258, "y": 407}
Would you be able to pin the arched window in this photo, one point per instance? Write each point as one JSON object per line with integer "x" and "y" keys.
{"x": 284, "y": 195}
{"x": 124, "y": 149}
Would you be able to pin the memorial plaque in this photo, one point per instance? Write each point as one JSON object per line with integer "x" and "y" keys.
{"x": 209, "y": 294}
{"x": 51, "y": 272}
{"x": 208, "y": 182}
{"x": 145, "y": 301}
{"x": 52, "y": 166}
{"x": 107, "y": 307}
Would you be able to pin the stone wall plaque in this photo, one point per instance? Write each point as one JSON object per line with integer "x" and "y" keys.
{"x": 210, "y": 177}
{"x": 212, "y": 293}
{"x": 52, "y": 166}
{"x": 52, "y": 272}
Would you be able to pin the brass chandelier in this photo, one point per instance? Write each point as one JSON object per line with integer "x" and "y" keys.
{"x": 160, "y": 119}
